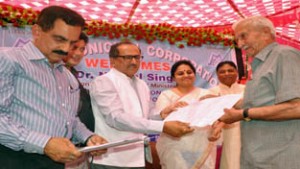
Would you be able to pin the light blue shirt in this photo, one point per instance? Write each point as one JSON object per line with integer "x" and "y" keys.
{"x": 37, "y": 102}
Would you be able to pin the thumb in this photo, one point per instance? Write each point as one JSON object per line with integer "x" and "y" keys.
{"x": 226, "y": 110}
{"x": 183, "y": 123}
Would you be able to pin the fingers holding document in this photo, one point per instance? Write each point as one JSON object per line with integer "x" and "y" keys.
{"x": 208, "y": 96}
{"x": 215, "y": 131}
{"x": 231, "y": 115}
{"x": 96, "y": 140}
{"x": 173, "y": 107}
{"x": 177, "y": 128}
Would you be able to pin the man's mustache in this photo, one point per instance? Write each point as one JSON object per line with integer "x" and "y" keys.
{"x": 60, "y": 52}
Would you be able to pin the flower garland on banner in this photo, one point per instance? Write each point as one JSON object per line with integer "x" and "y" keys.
{"x": 179, "y": 36}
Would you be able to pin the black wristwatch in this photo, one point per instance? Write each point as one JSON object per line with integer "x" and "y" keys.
{"x": 246, "y": 115}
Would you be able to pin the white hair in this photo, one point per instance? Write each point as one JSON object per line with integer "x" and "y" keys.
{"x": 256, "y": 22}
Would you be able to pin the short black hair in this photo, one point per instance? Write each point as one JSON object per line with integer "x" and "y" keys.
{"x": 114, "y": 51}
{"x": 227, "y": 62}
{"x": 181, "y": 62}
{"x": 50, "y": 14}
{"x": 84, "y": 37}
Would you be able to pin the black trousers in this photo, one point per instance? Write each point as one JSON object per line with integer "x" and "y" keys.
{"x": 10, "y": 159}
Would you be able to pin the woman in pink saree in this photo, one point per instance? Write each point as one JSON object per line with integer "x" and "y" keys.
{"x": 184, "y": 152}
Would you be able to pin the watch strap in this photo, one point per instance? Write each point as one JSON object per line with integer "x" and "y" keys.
{"x": 246, "y": 114}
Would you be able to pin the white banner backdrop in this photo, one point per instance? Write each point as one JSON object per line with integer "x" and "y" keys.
{"x": 155, "y": 67}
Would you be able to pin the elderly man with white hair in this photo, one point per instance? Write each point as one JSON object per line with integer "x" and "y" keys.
{"x": 270, "y": 112}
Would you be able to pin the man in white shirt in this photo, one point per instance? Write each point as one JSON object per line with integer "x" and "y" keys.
{"x": 122, "y": 109}
{"x": 227, "y": 74}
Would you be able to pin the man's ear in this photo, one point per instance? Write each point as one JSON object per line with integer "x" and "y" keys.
{"x": 36, "y": 31}
{"x": 112, "y": 62}
{"x": 266, "y": 32}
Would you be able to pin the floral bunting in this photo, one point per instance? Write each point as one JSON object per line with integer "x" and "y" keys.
{"x": 179, "y": 36}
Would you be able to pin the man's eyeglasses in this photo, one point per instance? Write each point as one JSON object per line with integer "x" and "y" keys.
{"x": 130, "y": 57}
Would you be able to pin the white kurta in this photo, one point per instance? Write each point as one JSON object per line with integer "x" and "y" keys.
{"x": 231, "y": 150}
{"x": 121, "y": 106}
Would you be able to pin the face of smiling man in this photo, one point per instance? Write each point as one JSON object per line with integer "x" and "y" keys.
{"x": 252, "y": 38}
{"x": 227, "y": 75}
{"x": 125, "y": 63}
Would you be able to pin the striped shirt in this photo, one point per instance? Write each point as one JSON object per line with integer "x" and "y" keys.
{"x": 37, "y": 102}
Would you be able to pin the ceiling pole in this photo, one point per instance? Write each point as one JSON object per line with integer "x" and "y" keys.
{"x": 233, "y": 6}
{"x": 132, "y": 11}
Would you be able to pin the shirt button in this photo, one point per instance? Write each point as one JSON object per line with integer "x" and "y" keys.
{"x": 63, "y": 105}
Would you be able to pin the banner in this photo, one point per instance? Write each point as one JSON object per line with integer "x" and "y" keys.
{"x": 155, "y": 66}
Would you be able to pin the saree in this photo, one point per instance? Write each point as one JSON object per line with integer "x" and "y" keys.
{"x": 184, "y": 152}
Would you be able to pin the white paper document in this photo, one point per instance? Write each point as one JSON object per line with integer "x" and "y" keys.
{"x": 204, "y": 112}
{"x": 110, "y": 144}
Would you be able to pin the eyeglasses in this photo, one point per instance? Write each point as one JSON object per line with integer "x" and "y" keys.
{"x": 130, "y": 57}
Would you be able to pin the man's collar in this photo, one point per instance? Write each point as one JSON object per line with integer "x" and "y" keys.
{"x": 263, "y": 54}
{"x": 222, "y": 85}
{"x": 34, "y": 54}
{"x": 123, "y": 75}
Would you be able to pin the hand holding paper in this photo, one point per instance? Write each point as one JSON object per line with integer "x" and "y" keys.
{"x": 204, "y": 112}
{"x": 109, "y": 145}
{"x": 232, "y": 115}
{"x": 215, "y": 131}
{"x": 177, "y": 128}
{"x": 95, "y": 140}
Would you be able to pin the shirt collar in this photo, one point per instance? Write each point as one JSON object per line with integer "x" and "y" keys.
{"x": 122, "y": 75}
{"x": 263, "y": 54}
{"x": 34, "y": 54}
{"x": 227, "y": 87}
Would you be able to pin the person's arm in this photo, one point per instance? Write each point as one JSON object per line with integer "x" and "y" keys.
{"x": 106, "y": 98}
{"x": 285, "y": 84}
{"x": 215, "y": 131}
{"x": 13, "y": 134}
{"x": 80, "y": 131}
{"x": 289, "y": 110}
{"x": 284, "y": 111}
{"x": 171, "y": 108}
{"x": 165, "y": 106}
{"x": 161, "y": 104}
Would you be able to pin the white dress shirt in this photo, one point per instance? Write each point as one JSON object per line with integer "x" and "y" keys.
{"x": 122, "y": 108}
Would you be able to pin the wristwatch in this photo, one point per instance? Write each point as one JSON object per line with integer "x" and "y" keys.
{"x": 246, "y": 115}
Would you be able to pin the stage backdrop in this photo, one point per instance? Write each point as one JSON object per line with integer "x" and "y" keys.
{"x": 155, "y": 67}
